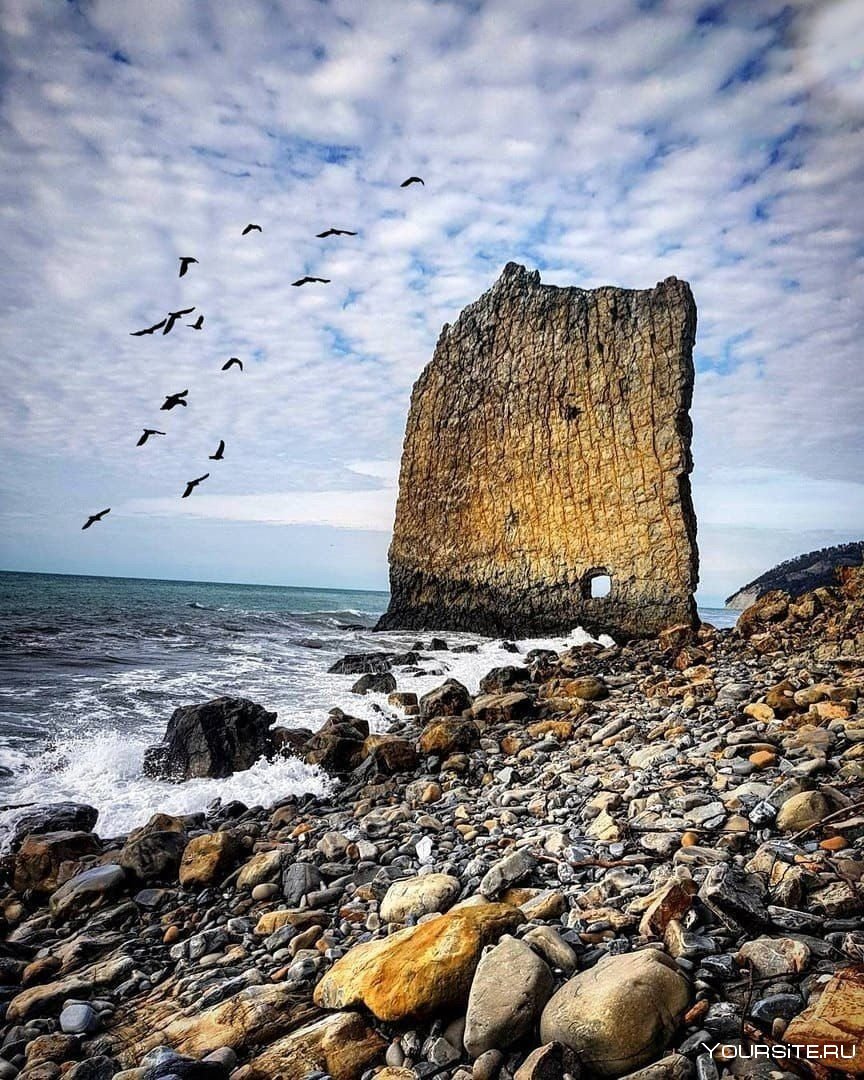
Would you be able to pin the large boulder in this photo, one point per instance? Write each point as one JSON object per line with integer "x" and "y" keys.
{"x": 449, "y": 735}
{"x": 153, "y": 852}
{"x": 338, "y": 746}
{"x": 53, "y": 817}
{"x": 216, "y": 739}
{"x": 45, "y": 859}
{"x": 208, "y": 858}
{"x": 374, "y": 683}
{"x": 511, "y": 985}
{"x": 389, "y": 753}
{"x": 372, "y": 663}
{"x": 619, "y": 1014}
{"x": 449, "y": 699}
{"x": 88, "y": 889}
{"x": 421, "y": 971}
{"x": 500, "y": 679}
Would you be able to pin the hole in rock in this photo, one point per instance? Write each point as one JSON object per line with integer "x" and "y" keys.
{"x": 598, "y": 586}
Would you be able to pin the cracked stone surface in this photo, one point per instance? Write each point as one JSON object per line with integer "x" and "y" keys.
{"x": 548, "y": 443}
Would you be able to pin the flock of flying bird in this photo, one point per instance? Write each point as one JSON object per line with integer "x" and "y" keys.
{"x": 166, "y": 325}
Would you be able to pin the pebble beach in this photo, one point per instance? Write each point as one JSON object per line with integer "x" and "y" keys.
{"x": 640, "y": 860}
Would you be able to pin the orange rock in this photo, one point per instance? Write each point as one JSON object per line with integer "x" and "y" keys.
{"x": 763, "y": 759}
{"x": 209, "y": 858}
{"x": 835, "y": 1019}
{"x": 695, "y": 1014}
{"x": 690, "y": 839}
{"x": 511, "y": 744}
{"x": 834, "y": 843}
{"x": 275, "y": 920}
{"x": 831, "y": 710}
{"x": 424, "y": 970}
{"x": 670, "y": 902}
{"x": 561, "y": 729}
{"x": 758, "y": 710}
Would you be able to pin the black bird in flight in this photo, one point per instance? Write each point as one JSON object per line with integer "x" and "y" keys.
{"x": 175, "y": 399}
{"x": 305, "y": 280}
{"x": 250, "y": 228}
{"x": 335, "y": 232}
{"x": 220, "y": 451}
{"x": 413, "y": 180}
{"x": 232, "y": 363}
{"x": 149, "y": 330}
{"x": 185, "y": 262}
{"x": 95, "y": 517}
{"x": 173, "y": 316}
{"x": 192, "y": 484}
{"x": 148, "y": 431}
{"x": 199, "y": 322}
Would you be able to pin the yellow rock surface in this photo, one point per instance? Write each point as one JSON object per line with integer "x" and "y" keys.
{"x": 341, "y": 1045}
{"x": 835, "y": 1019}
{"x": 420, "y": 971}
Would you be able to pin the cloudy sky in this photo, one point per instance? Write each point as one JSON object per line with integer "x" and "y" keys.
{"x": 611, "y": 143}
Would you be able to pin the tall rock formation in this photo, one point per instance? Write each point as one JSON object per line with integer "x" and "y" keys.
{"x": 547, "y": 449}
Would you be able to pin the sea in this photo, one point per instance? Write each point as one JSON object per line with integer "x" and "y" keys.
{"x": 91, "y": 669}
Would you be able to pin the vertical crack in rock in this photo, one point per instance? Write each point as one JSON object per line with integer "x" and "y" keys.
{"x": 548, "y": 444}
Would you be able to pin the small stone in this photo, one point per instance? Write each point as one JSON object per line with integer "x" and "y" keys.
{"x": 802, "y": 811}
{"x": 79, "y": 1019}
{"x": 265, "y": 891}
{"x": 507, "y": 872}
{"x": 419, "y": 896}
{"x": 487, "y": 1065}
{"x": 549, "y": 1062}
{"x": 763, "y": 759}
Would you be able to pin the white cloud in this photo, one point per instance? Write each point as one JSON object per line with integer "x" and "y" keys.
{"x": 608, "y": 144}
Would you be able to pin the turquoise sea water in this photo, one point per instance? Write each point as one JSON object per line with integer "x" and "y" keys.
{"x": 91, "y": 669}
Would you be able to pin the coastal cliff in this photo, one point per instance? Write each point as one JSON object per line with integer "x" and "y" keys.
{"x": 548, "y": 446}
{"x": 799, "y": 575}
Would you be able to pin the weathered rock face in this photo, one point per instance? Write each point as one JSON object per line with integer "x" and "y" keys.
{"x": 216, "y": 739}
{"x": 548, "y": 445}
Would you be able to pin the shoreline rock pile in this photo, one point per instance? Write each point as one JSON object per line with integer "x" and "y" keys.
{"x": 611, "y": 862}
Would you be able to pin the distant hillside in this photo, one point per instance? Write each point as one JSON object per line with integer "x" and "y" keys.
{"x": 801, "y": 574}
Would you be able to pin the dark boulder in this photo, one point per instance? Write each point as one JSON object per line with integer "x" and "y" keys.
{"x": 500, "y": 679}
{"x": 449, "y": 699}
{"x": 405, "y": 659}
{"x": 153, "y": 852}
{"x": 290, "y": 740}
{"x": 382, "y": 683}
{"x": 389, "y": 754}
{"x": 53, "y": 817}
{"x": 541, "y": 656}
{"x": 338, "y": 746}
{"x": 45, "y": 860}
{"x": 362, "y": 664}
{"x": 298, "y": 879}
{"x": 215, "y": 739}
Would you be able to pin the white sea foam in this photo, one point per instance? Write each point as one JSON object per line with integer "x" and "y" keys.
{"x": 95, "y": 758}
{"x": 105, "y": 771}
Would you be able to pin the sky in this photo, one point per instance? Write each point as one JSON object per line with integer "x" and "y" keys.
{"x": 615, "y": 143}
